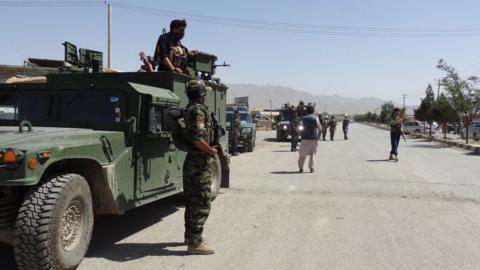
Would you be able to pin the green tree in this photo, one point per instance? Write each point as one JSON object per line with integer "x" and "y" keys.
{"x": 443, "y": 112}
{"x": 424, "y": 111}
{"x": 463, "y": 94}
{"x": 386, "y": 112}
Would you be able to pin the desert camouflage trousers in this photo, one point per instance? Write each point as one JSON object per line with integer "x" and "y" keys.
{"x": 197, "y": 190}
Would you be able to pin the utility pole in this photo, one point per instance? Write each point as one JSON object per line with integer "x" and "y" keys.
{"x": 109, "y": 46}
{"x": 404, "y": 96}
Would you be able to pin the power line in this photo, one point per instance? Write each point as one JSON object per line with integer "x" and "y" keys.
{"x": 327, "y": 30}
{"x": 272, "y": 26}
{"x": 50, "y": 4}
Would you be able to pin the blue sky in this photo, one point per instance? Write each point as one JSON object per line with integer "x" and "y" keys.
{"x": 320, "y": 64}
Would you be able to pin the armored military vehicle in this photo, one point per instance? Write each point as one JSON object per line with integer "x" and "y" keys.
{"x": 248, "y": 129}
{"x": 283, "y": 122}
{"x": 284, "y": 118}
{"x": 86, "y": 143}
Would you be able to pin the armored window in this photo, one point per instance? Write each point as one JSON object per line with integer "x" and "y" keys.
{"x": 159, "y": 119}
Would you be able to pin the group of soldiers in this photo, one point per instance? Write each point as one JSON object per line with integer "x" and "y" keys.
{"x": 328, "y": 124}
{"x": 331, "y": 125}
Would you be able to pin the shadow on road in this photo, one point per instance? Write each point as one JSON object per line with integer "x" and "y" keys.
{"x": 111, "y": 229}
{"x": 380, "y": 160}
{"x": 286, "y": 172}
{"x": 430, "y": 146}
{"x": 270, "y": 140}
{"x": 281, "y": 151}
{"x": 133, "y": 251}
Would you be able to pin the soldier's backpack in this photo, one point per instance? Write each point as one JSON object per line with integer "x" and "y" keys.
{"x": 176, "y": 122}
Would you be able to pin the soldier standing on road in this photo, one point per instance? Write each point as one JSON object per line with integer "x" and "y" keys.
{"x": 294, "y": 129}
{"x": 196, "y": 169}
{"x": 332, "y": 124}
{"x": 324, "y": 127}
{"x": 309, "y": 142}
{"x": 345, "y": 124}
{"x": 170, "y": 54}
{"x": 235, "y": 133}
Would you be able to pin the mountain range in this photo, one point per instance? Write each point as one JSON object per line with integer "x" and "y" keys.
{"x": 260, "y": 97}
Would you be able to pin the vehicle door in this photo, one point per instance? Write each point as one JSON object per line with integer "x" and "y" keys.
{"x": 158, "y": 170}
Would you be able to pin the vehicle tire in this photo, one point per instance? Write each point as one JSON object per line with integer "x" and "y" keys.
{"x": 216, "y": 167}
{"x": 54, "y": 224}
{"x": 418, "y": 131}
{"x": 462, "y": 135}
{"x": 249, "y": 146}
{"x": 475, "y": 137}
{"x": 279, "y": 136}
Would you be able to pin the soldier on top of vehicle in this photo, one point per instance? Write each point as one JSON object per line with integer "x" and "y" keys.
{"x": 170, "y": 54}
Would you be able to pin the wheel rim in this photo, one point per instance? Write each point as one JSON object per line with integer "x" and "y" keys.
{"x": 71, "y": 229}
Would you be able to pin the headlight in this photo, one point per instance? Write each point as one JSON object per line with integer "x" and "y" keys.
{"x": 285, "y": 127}
{"x": 300, "y": 128}
{"x": 247, "y": 130}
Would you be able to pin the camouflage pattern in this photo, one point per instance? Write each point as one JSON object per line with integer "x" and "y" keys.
{"x": 332, "y": 124}
{"x": 236, "y": 124}
{"x": 197, "y": 190}
{"x": 197, "y": 174}
{"x": 324, "y": 123}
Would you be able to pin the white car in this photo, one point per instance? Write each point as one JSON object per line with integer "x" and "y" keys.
{"x": 411, "y": 127}
{"x": 473, "y": 131}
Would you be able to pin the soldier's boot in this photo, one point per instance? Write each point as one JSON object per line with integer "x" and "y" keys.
{"x": 390, "y": 157}
{"x": 187, "y": 242}
{"x": 201, "y": 249}
{"x": 396, "y": 158}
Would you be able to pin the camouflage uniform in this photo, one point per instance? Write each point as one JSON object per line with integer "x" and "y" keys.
{"x": 235, "y": 132}
{"x": 197, "y": 174}
{"x": 332, "y": 124}
{"x": 324, "y": 128}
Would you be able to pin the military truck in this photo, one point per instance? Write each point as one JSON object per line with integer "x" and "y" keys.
{"x": 248, "y": 129}
{"x": 88, "y": 143}
{"x": 283, "y": 122}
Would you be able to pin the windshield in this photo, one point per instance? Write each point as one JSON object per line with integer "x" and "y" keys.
{"x": 244, "y": 117}
{"x": 64, "y": 107}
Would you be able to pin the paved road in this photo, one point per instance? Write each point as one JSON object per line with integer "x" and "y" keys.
{"x": 357, "y": 211}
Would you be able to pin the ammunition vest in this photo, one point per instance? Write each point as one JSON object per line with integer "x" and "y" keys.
{"x": 177, "y": 55}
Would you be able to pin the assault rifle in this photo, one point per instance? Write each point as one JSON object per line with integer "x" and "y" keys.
{"x": 218, "y": 130}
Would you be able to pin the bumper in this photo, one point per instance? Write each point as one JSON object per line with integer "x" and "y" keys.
{"x": 243, "y": 140}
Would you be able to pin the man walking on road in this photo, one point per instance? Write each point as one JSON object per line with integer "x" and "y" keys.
{"x": 332, "y": 124}
{"x": 345, "y": 124}
{"x": 196, "y": 171}
{"x": 308, "y": 144}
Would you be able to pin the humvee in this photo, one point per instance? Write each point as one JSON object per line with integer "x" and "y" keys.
{"x": 86, "y": 143}
{"x": 248, "y": 129}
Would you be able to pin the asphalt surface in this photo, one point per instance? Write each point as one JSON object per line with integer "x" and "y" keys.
{"x": 357, "y": 211}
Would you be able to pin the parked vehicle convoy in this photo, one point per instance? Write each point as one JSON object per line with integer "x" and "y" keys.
{"x": 473, "y": 132}
{"x": 248, "y": 129}
{"x": 89, "y": 143}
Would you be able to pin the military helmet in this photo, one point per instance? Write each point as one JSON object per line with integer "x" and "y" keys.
{"x": 196, "y": 89}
